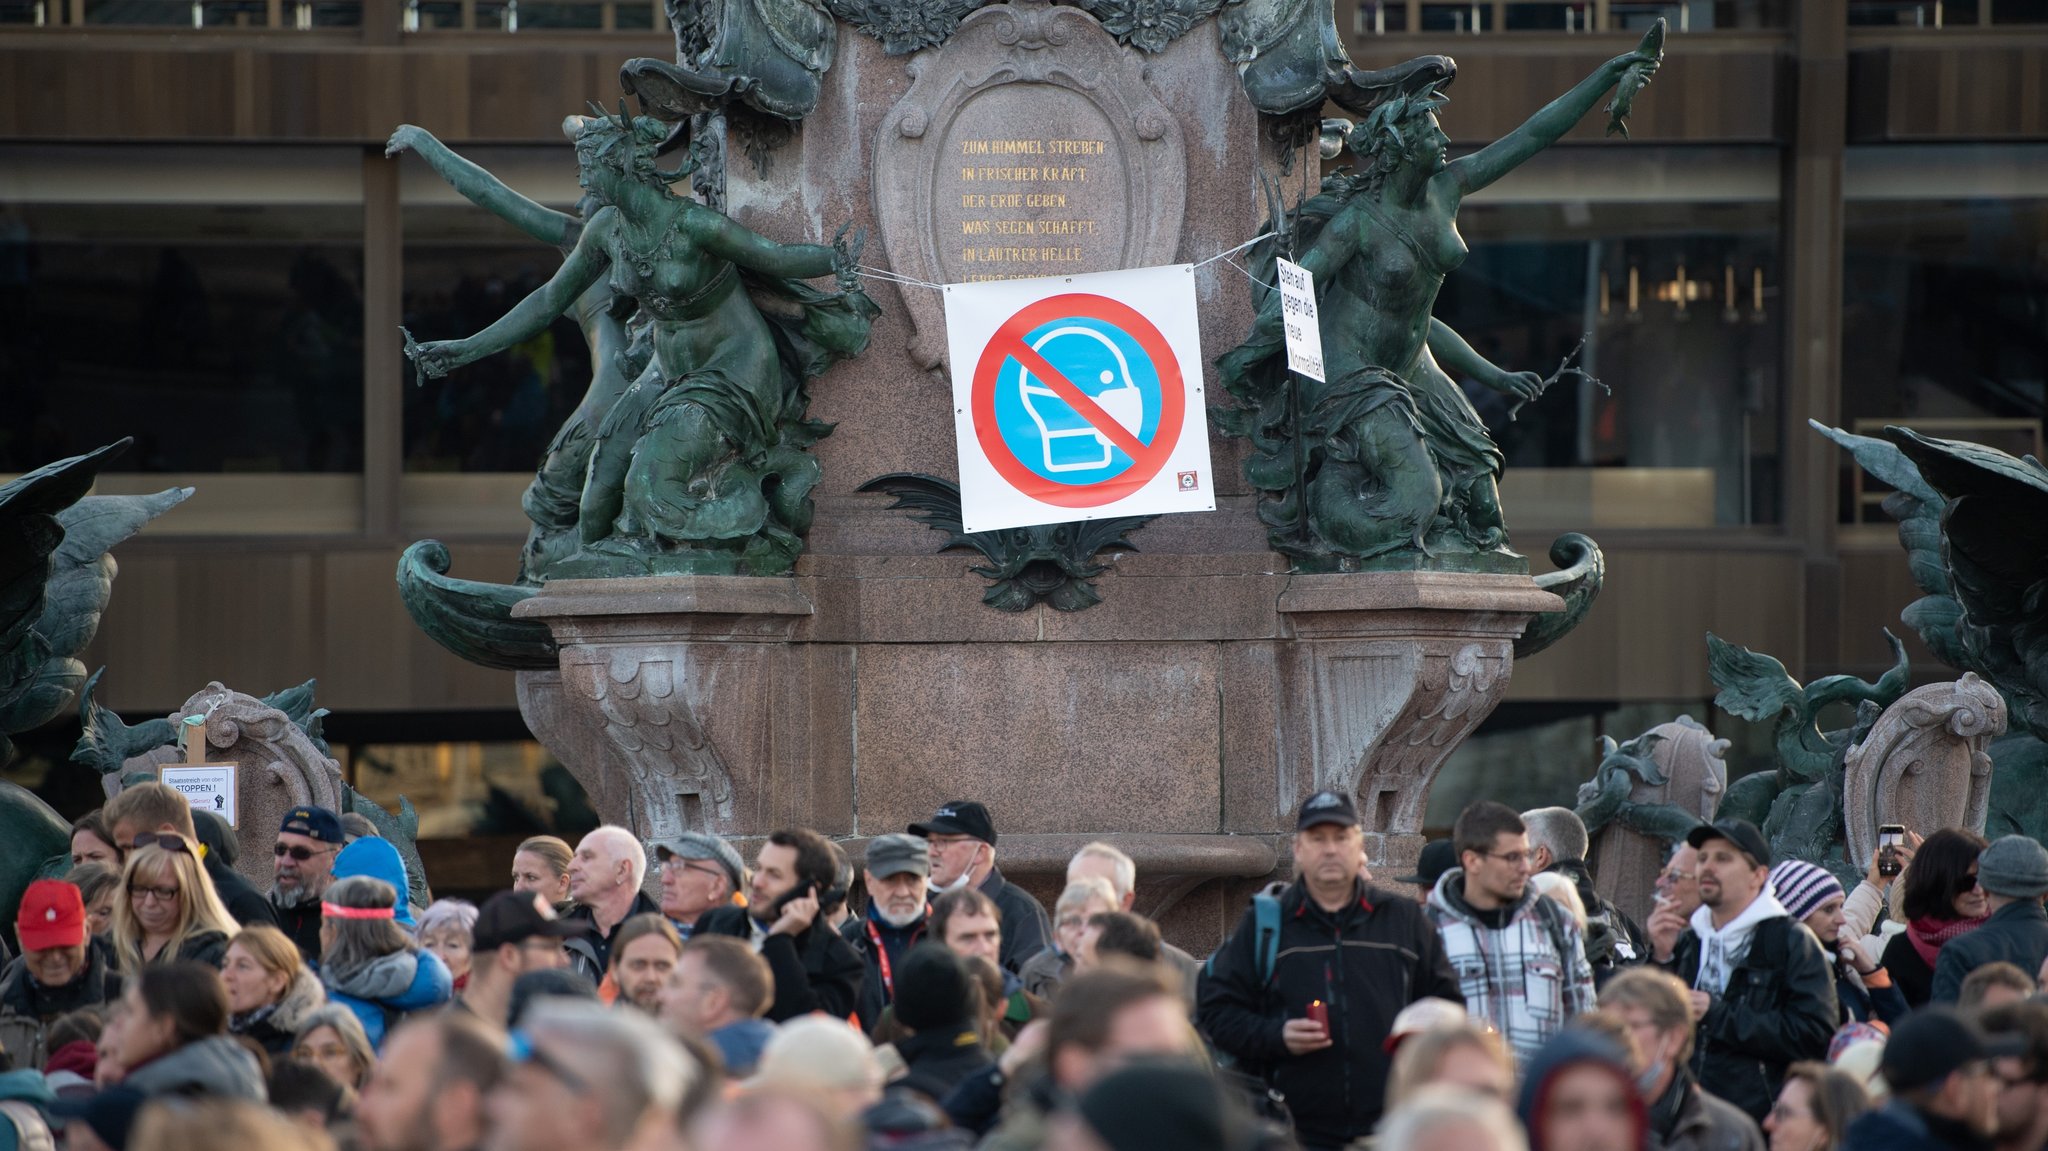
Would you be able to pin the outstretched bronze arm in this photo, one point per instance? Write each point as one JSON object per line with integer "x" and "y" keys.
{"x": 1550, "y": 123}
{"x": 1458, "y": 358}
{"x": 527, "y": 319}
{"x": 484, "y": 190}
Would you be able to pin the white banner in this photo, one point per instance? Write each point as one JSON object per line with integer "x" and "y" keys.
{"x": 1298, "y": 319}
{"x": 1078, "y": 397}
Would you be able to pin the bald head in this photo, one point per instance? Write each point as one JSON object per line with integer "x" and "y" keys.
{"x": 608, "y": 862}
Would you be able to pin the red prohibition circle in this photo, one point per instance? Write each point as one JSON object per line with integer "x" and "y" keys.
{"x": 1144, "y": 464}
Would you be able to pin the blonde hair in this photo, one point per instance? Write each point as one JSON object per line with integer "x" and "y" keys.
{"x": 272, "y": 950}
{"x": 556, "y": 853}
{"x": 1551, "y": 885}
{"x": 199, "y": 906}
{"x": 1421, "y": 1055}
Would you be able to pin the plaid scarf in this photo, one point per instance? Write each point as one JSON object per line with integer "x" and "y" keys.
{"x": 1927, "y": 934}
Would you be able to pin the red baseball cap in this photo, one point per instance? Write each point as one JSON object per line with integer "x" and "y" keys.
{"x": 51, "y": 915}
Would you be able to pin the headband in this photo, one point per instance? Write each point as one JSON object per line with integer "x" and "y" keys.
{"x": 337, "y": 911}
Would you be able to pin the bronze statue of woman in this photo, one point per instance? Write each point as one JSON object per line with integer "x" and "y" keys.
{"x": 1388, "y": 457}
{"x": 608, "y": 320}
{"x": 698, "y": 466}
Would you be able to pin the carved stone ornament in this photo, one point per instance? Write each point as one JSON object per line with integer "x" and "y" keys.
{"x": 904, "y": 26}
{"x": 1150, "y": 25}
{"x": 1645, "y": 796}
{"x": 1391, "y": 673}
{"x": 1029, "y": 145}
{"x": 1924, "y": 764}
{"x": 679, "y": 705}
{"x": 280, "y": 761}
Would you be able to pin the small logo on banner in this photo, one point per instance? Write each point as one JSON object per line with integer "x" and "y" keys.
{"x": 1188, "y": 482}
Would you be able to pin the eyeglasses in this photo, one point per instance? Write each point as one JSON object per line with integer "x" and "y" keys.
{"x": 522, "y": 1050}
{"x": 1965, "y": 884}
{"x": 678, "y": 863}
{"x": 302, "y": 854}
{"x": 167, "y": 842}
{"x": 1511, "y": 858}
{"x": 139, "y": 891}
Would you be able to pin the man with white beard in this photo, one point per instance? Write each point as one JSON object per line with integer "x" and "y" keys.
{"x": 963, "y": 852}
{"x": 306, "y": 844}
{"x": 897, "y": 870}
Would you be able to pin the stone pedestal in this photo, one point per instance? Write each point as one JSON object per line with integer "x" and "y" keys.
{"x": 1184, "y": 718}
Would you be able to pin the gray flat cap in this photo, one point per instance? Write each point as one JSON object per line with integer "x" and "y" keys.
{"x": 895, "y": 854}
{"x": 697, "y": 845}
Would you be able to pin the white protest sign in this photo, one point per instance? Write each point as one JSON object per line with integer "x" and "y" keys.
{"x": 1078, "y": 397}
{"x": 207, "y": 787}
{"x": 1298, "y": 318}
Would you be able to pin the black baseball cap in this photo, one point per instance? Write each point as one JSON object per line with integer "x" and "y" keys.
{"x": 1932, "y": 1043}
{"x": 1740, "y": 832}
{"x": 959, "y": 817}
{"x": 1326, "y": 807}
{"x": 1438, "y": 856}
{"x": 517, "y": 916}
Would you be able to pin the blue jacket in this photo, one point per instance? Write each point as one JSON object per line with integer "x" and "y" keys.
{"x": 388, "y": 989}
{"x": 27, "y": 1086}
{"x": 377, "y": 859}
{"x": 2016, "y": 933}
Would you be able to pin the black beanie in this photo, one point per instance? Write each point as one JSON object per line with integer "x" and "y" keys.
{"x": 933, "y": 990}
{"x": 1163, "y": 1105}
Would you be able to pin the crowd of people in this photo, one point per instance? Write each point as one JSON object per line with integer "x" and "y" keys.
{"x": 1493, "y": 1000}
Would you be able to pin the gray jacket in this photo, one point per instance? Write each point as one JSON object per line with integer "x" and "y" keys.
{"x": 216, "y": 1065}
{"x": 2016, "y": 933}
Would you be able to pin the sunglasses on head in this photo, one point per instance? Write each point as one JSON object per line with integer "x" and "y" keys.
{"x": 167, "y": 842}
{"x": 302, "y": 854}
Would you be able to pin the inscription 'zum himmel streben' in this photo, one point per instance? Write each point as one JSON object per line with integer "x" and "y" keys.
{"x": 1012, "y": 205}
{"x": 1042, "y": 235}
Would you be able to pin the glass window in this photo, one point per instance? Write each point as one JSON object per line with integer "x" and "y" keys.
{"x": 1945, "y": 296}
{"x": 464, "y": 789}
{"x": 225, "y": 336}
{"x": 1664, "y": 262}
{"x": 464, "y": 268}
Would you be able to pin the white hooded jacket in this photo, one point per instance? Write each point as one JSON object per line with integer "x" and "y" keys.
{"x": 1722, "y": 951}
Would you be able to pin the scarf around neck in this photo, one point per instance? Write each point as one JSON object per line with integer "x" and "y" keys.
{"x": 1927, "y": 934}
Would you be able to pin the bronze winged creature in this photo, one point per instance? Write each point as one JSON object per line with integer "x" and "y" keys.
{"x": 1052, "y": 563}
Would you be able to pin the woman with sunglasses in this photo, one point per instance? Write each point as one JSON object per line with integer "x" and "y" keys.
{"x": 168, "y": 910}
{"x": 1940, "y": 900}
{"x": 369, "y": 963}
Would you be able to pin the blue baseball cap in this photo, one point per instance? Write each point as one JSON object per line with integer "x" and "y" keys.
{"x": 314, "y": 822}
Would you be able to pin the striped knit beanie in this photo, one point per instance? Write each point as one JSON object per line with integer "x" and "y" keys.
{"x": 1802, "y": 886}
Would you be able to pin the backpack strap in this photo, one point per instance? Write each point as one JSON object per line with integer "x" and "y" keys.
{"x": 1266, "y": 934}
{"x": 1265, "y": 939}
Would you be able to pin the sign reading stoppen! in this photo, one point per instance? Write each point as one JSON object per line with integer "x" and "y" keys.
{"x": 1078, "y": 397}
{"x": 1298, "y": 318}
{"x": 207, "y": 787}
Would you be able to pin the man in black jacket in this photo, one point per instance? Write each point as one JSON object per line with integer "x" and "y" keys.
{"x": 896, "y": 870}
{"x": 1353, "y": 954}
{"x": 1761, "y": 988}
{"x": 815, "y": 970}
{"x": 963, "y": 854}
